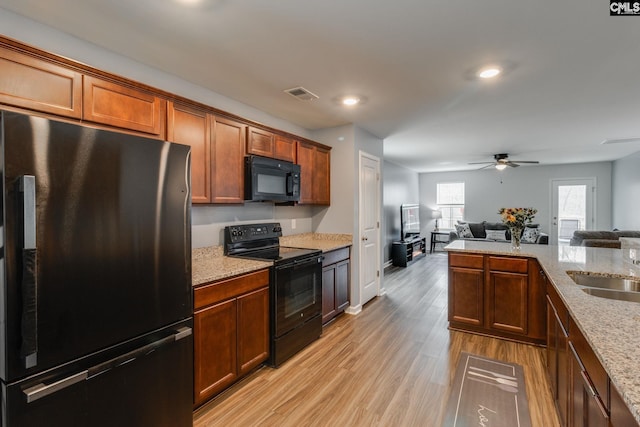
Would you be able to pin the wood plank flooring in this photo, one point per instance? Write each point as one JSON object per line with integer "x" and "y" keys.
{"x": 391, "y": 365}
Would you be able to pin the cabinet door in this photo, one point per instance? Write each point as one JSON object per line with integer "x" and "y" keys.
{"x": 215, "y": 343}
{"x": 328, "y": 293}
{"x": 306, "y": 156}
{"x": 507, "y": 301}
{"x": 586, "y": 409}
{"x": 557, "y": 362}
{"x": 466, "y": 296}
{"x": 38, "y": 85}
{"x": 260, "y": 142}
{"x": 253, "y": 329}
{"x": 120, "y": 106}
{"x": 322, "y": 177}
{"x": 227, "y": 161}
{"x": 189, "y": 126}
{"x": 342, "y": 285}
{"x": 285, "y": 149}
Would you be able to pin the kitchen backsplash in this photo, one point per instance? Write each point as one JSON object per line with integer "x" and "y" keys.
{"x": 208, "y": 221}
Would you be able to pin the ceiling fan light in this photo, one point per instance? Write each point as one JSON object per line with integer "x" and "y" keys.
{"x": 501, "y": 166}
{"x": 489, "y": 72}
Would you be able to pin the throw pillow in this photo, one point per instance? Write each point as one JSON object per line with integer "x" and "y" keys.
{"x": 497, "y": 234}
{"x": 464, "y": 232}
{"x": 530, "y": 235}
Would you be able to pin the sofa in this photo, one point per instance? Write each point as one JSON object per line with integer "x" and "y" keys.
{"x": 493, "y": 232}
{"x": 600, "y": 239}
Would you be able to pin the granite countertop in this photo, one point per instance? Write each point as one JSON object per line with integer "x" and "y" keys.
{"x": 210, "y": 264}
{"x": 611, "y": 327}
{"x": 323, "y": 241}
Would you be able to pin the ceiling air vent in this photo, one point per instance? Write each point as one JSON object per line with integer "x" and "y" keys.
{"x": 302, "y": 94}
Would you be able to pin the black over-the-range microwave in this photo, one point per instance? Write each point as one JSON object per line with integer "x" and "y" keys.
{"x": 268, "y": 179}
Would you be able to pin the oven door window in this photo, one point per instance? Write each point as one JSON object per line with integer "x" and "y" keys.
{"x": 298, "y": 294}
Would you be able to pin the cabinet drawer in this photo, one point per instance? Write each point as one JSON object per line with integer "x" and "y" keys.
{"x": 335, "y": 256}
{"x": 464, "y": 260}
{"x": 511, "y": 265}
{"x": 230, "y": 288}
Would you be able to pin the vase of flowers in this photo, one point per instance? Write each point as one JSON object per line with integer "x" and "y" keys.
{"x": 516, "y": 219}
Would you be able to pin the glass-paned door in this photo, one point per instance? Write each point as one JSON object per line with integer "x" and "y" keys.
{"x": 572, "y": 208}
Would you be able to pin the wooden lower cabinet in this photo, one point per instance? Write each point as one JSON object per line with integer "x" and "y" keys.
{"x": 583, "y": 393}
{"x": 466, "y": 296}
{"x": 498, "y": 296}
{"x": 557, "y": 360}
{"x": 231, "y": 332}
{"x": 585, "y": 406}
{"x": 335, "y": 283}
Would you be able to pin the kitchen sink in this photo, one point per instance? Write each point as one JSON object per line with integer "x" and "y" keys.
{"x": 612, "y": 294}
{"x": 618, "y": 288}
{"x": 606, "y": 282}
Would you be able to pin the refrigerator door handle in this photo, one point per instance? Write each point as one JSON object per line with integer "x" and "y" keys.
{"x": 29, "y": 347}
{"x": 139, "y": 352}
{"x": 41, "y": 390}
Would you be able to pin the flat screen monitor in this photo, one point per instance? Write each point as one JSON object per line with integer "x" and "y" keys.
{"x": 409, "y": 220}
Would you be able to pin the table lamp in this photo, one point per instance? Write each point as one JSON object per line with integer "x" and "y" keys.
{"x": 436, "y": 215}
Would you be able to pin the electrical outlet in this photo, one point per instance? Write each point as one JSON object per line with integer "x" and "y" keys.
{"x": 293, "y": 224}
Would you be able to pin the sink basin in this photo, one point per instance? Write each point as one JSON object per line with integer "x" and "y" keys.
{"x": 618, "y": 288}
{"x": 611, "y": 294}
{"x": 617, "y": 283}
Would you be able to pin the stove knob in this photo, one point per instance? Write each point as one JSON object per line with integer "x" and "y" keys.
{"x": 277, "y": 229}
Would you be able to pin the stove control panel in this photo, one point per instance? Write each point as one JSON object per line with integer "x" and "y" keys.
{"x": 251, "y": 232}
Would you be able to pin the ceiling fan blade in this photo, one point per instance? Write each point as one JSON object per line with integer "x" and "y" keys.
{"x": 481, "y": 163}
{"x": 512, "y": 164}
{"x": 527, "y": 161}
{"x": 487, "y": 167}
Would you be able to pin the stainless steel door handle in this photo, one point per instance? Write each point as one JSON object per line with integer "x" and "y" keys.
{"x": 26, "y": 188}
{"x": 41, "y": 390}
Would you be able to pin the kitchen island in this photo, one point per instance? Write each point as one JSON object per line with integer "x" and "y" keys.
{"x": 611, "y": 328}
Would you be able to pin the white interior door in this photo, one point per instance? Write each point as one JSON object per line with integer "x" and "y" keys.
{"x": 369, "y": 227}
{"x": 572, "y": 208}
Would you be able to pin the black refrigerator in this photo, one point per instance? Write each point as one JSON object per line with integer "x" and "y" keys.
{"x": 95, "y": 270}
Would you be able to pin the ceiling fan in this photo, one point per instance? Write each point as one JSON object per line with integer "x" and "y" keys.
{"x": 502, "y": 161}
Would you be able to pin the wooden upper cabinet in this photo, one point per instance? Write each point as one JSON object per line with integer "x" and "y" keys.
{"x": 315, "y": 173}
{"x": 260, "y": 142}
{"x": 285, "y": 148}
{"x": 190, "y": 126}
{"x": 112, "y": 104}
{"x": 227, "y": 161}
{"x": 35, "y": 84}
{"x": 322, "y": 177}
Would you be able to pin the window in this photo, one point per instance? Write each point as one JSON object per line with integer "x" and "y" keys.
{"x": 450, "y": 201}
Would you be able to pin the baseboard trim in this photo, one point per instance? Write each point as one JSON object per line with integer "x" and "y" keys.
{"x": 354, "y": 310}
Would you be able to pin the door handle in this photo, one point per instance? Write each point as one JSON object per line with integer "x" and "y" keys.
{"x": 365, "y": 238}
{"x": 41, "y": 390}
{"x": 26, "y": 189}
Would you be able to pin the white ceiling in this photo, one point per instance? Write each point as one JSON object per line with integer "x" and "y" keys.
{"x": 573, "y": 80}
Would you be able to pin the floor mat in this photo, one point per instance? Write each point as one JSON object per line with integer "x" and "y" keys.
{"x": 487, "y": 393}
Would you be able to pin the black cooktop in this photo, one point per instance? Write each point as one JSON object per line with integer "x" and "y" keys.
{"x": 261, "y": 242}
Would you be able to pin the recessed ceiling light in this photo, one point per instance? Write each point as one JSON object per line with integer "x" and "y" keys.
{"x": 489, "y": 72}
{"x": 350, "y": 100}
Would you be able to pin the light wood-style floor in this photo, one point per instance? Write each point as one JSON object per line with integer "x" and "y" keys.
{"x": 391, "y": 365}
